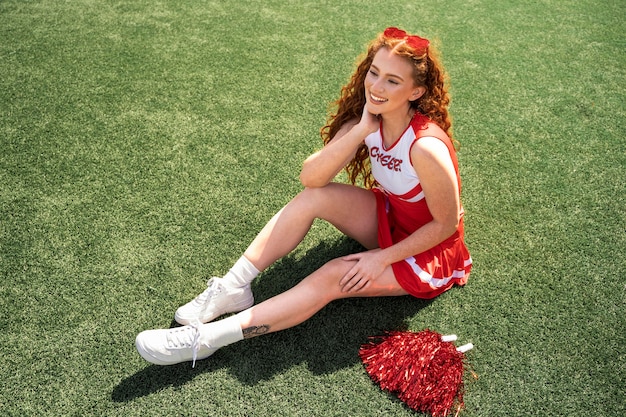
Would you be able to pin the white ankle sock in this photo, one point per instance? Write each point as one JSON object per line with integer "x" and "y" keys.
{"x": 222, "y": 333}
{"x": 241, "y": 274}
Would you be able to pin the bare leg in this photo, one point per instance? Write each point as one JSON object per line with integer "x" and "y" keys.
{"x": 299, "y": 303}
{"x": 350, "y": 209}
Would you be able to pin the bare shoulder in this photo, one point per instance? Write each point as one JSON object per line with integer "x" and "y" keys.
{"x": 433, "y": 129}
{"x": 433, "y": 164}
{"x": 429, "y": 147}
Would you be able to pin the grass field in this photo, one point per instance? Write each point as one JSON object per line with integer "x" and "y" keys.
{"x": 144, "y": 143}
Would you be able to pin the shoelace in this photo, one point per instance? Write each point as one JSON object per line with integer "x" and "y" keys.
{"x": 187, "y": 336}
{"x": 212, "y": 287}
{"x": 195, "y": 345}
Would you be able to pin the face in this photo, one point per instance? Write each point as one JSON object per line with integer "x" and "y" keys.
{"x": 389, "y": 84}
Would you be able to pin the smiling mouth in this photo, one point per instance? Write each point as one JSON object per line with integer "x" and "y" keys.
{"x": 377, "y": 99}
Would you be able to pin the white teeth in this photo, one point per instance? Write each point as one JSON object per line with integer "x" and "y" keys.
{"x": 377, "y": 99}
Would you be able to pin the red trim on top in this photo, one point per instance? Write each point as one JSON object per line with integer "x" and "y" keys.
{"x": 411, "y": 193}
{"x": 382, "y": 137}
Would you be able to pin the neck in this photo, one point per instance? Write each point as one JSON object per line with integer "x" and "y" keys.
{"x": 395, "y": 124}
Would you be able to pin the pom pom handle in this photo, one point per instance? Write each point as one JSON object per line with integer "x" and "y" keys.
{"x": 465, "y": 348}
{"x": 448, "y": 338}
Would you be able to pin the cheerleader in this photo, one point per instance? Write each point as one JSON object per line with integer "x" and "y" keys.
{"x": 391, "y": 131}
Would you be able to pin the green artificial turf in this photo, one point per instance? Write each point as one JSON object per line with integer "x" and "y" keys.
{"x": 144, "y": 143}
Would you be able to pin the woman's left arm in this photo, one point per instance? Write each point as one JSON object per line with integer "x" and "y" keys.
{"x": 438, "y": 178}
{"x": 433, "y": 164}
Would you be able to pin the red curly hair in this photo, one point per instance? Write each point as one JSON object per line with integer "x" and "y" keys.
{"x": 428, "y": 72}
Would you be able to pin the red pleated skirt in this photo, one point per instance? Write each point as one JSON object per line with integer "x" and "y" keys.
{"x": 430, "y": 273}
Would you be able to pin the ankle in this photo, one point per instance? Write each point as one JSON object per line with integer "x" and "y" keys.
{"x": 241, "y": 274}
{"x": 222, "y": 333}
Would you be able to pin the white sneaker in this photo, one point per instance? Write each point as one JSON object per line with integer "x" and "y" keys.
{"x": 176, "y": 345}
{"x": 216, "y": 300}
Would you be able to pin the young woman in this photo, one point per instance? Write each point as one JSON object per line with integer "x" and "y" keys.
{"x": 392, "y": 131}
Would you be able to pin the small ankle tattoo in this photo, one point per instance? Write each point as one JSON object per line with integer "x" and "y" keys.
{"x": 253, "y": 331}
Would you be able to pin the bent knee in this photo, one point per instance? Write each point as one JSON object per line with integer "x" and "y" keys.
{"x": 308, "y": 198}
{"x": 338, "y": 267}
{"x": 314, "y": 193}
{"x": 329, "y": 275}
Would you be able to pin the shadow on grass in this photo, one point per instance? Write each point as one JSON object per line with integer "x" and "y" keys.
{"x": 327, "y": 342}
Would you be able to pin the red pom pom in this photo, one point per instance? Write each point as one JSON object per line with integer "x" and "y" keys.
{"x": 423, "y": 371}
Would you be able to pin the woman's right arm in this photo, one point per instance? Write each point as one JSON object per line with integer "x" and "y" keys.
{"x": 320, "y": 168}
